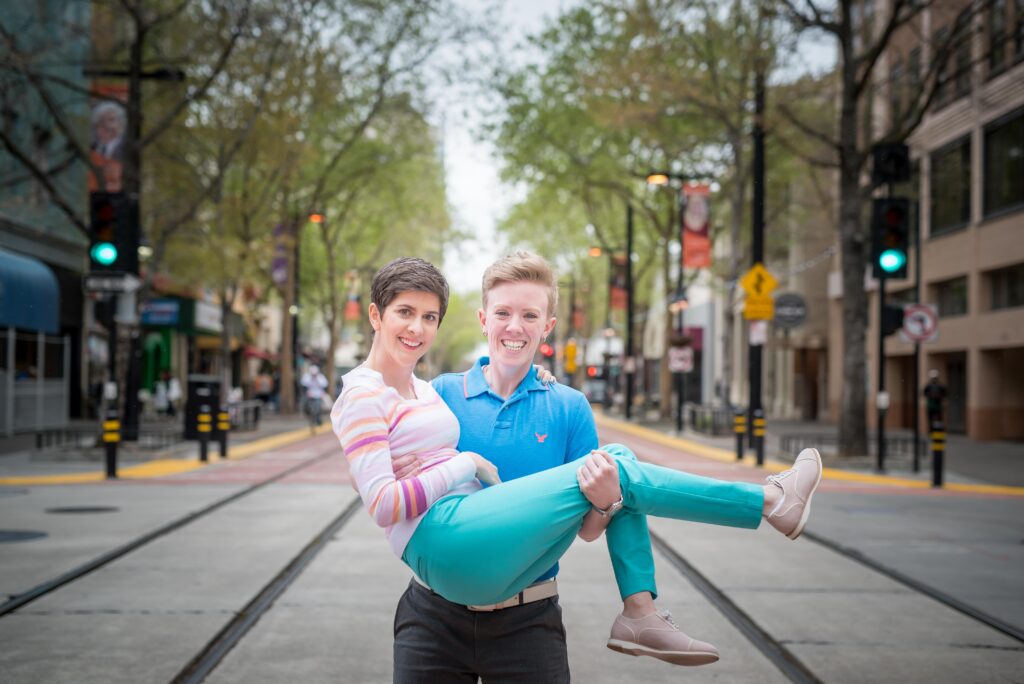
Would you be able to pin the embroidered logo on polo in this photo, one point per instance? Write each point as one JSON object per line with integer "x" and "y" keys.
{"x": 540, "y": 437}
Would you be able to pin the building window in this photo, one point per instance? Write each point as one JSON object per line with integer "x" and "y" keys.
{"x": 914, "y": 78}
{"x": 942, "y": 77}
{"x": 901, "y": 297}
{"x": 997, "y": 37}
{"x": 1004, "y": 164}
{"x": 951, "y": 296}
{"x": 962, "y": 54}
{"x": 896, "y": 91}
{"x": 1007, "y": 287}
{"x": 1018, "y": 11}
{"x": 951, "y": 187}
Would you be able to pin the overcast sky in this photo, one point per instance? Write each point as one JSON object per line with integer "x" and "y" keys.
{"x": 476, "y": 197}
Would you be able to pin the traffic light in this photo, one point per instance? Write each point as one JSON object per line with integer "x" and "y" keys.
{"x": 892, "y": 319}
{"x": 890, "y": 237}
{"x": 113, "y": 233}
{"x": 891, "y": 164}
{"x": 547, "y": 351}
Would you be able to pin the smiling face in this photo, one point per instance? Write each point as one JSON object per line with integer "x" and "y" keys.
{"x": 515, "y": 320}
{"x": 406, "y": 328}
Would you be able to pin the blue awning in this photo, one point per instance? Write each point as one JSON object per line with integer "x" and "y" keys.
{"x": 29, "y": 294}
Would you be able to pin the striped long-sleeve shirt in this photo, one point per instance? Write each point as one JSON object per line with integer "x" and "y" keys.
{"x": 376, "y": 425}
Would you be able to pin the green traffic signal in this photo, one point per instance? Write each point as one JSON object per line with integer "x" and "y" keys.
{"x": 103, "y": 253}
{"x": 892, "y": 260}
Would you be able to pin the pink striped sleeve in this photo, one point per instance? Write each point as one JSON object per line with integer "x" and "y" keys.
{"x": 361, "y": 423}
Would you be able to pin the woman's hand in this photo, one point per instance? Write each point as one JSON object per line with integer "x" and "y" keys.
{"x": 486, "y": 471}
{"x": 405, "y": 466}
{"x": 544, "y": 375}
{"x": 599, "y": 479}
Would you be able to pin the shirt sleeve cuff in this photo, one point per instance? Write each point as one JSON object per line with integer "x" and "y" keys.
{"x": 460, "y": 469}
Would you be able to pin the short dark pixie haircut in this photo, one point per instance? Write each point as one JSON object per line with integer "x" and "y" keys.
{"x": 408, "y": 274}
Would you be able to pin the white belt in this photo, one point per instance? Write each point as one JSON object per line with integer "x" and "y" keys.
{"x": 534, "y": 592}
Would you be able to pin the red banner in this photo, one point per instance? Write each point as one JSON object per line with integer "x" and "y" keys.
{"x": 694, "y": 224}
{"x": 617, "y": 282}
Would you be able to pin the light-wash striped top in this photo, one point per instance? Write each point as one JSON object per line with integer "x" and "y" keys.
{"x": 376, "y": 425}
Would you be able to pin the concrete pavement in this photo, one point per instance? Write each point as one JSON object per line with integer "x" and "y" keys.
{"x": 141, "y": 618}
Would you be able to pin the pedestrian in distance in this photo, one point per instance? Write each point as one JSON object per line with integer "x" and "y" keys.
{"x": 314, "y": 386}
{"x": 934, "y": 396}
{"x": 480, "y": 542}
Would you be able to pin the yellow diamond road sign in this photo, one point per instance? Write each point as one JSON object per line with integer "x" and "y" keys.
{"x": 758, "y": 282}
{"x": 759, "y": 308}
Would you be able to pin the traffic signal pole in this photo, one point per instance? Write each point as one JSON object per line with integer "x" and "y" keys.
{"x": 754, "y": 350}
{"x": 881, "y": 399}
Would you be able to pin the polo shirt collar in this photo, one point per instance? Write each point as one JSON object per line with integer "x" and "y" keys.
{"x": 475, "y": 384}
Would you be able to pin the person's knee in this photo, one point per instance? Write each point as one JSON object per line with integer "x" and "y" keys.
{"x": 619, "y": 451}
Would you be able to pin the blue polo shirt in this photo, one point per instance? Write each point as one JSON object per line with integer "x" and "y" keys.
{"x": 538, "y": 427}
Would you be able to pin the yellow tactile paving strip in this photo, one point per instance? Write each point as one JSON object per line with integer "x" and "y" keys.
{"x": 726, "y": 456}
{"x": 169, "y": 466}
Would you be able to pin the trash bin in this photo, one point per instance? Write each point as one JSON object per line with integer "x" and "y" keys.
{"x": 202, "y": 390}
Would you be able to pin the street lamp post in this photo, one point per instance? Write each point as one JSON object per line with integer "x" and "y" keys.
{"x": 628, "y": 366}
{"x": 678, "y": 302}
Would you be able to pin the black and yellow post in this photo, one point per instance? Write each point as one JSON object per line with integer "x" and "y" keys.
{"x": 739, "y": 426}
{"x": 111, "y": 438}
{"x": 759, "y": 435}
{"x": 938, "y": 453}
{"x": 223, "y": 427}
{"x": 204, "y": 427}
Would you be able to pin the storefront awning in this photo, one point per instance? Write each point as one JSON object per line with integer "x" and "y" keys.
{"x": 29, "y": 294}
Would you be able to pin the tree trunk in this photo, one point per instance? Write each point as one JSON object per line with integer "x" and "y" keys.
{"x": 287, "y": 370}
{"x": 664, "y": 376}
{"x": 853, "y": 439}
{"x": 225, "y": 348}
{"x": 738, "y": 200}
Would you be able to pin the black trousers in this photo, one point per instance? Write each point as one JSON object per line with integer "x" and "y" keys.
{"x": 439, "y": 642}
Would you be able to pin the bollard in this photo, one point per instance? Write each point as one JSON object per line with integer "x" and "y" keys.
{"x": 739, "y": 426}
{"x": 204, "y": 427}
{"x": 759, "y": 435}
{"x": 938, "y": 453}
{"x": 223, "y": 426}
{"x": 111, "y": 438}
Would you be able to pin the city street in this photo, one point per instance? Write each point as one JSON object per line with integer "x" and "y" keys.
{"x": 777, "y": 239}
{"x": 778, "y": 610}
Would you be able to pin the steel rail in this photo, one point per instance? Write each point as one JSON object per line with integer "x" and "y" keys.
{"x": 23, "y": 599}
{"x": 235, "y": 630}
{"x": 780, "y": 656}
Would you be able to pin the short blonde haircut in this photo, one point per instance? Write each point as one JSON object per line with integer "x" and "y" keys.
{"x": 519, "y": 268}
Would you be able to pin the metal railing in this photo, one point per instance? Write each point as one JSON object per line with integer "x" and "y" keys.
{"x": 92, "y": 437}
{"x": 245, "y": 415}
{"x": 710, "y": 420}
{"x": 897, "y": 445}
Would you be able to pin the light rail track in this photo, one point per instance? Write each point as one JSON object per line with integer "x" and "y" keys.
{"x": 80, "y": 571}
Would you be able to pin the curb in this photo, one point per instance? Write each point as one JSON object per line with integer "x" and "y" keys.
{"x": 169, "y": 466}
{"x": 771, "y": 465}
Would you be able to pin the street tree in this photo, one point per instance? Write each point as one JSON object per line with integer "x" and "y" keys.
{"x": 864, "y": 38}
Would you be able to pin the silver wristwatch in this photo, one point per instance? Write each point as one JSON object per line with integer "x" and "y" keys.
{"x": 610, "y": 511}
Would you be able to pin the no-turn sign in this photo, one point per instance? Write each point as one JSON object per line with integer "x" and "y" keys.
{"x": 920, "y": 323}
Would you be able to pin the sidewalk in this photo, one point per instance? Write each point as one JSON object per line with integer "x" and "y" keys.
{"x": 967, "y": 460}
{"x": 25, "y": 465}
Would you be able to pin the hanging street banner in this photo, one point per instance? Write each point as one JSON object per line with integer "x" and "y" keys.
{"x": 758, "y": 283}
{"x": 617, "y": 282}
{"x": 694, "y": 224}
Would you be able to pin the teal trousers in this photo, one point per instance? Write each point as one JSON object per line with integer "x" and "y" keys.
{"x": 486, "y": 546}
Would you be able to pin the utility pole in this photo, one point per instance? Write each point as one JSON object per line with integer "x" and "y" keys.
{"x": 629, "y": 366}
{"x": 757, "y": 255}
